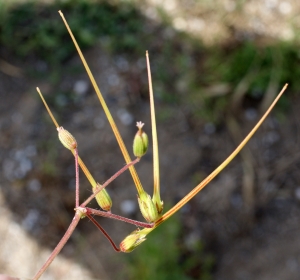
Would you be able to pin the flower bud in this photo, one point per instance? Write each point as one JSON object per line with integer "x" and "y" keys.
{"x": 133, "y": 240}
{"x": 147, "y": 207}
{"x": 66, "y": 138}
{"x": 140, "y": 142}
{"x": 103, "y": 199}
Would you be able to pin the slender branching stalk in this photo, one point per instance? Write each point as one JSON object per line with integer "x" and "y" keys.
{"x": 82, "y": 211}
{"x": 104, "y": 232}
{"x": 60, "y": 245}
{"x": 91, "y": 211}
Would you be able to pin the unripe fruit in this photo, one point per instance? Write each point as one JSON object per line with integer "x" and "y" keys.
{"x": 140, "y": 142}
{"x": 66, "y": 138}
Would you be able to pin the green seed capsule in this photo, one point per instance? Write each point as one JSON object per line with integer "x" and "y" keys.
{"x": 140, "y": 142}
{"x": 147, "y": 207}
{"x": 103, "y": 199}
{"x": 66, "y": 138}
{"x": 133, "y": 240}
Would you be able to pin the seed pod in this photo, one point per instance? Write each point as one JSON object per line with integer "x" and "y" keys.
{"x": 159, "y": 204}
{"x": 103, "y": 199}
{"x": 140, "y": 142}
{"x": 147, "y": 207}
{"x": 66, "y": 138}
{"x": 133, "y": 240}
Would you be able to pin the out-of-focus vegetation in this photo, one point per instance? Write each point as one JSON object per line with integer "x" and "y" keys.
{"x": 183, "y": 69}
{"x": 34, "y": 29}
{"x": 164, "y": 257}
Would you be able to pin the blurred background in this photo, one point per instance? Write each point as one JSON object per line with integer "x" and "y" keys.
{"x": 216, "y": 67}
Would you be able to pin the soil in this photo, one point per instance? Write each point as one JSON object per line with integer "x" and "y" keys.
{"x": 248, "y": 217}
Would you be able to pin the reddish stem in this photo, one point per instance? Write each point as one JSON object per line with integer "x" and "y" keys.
{"x": 92, "y": 211}
{"x": 80, "y": 213}
{"x": 60, "y": 245}
{"x": 117, "y": 174}
{"x": 104, "y": 232}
